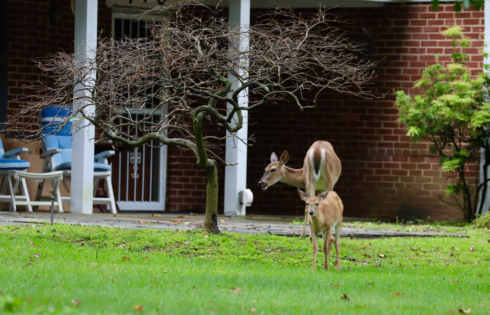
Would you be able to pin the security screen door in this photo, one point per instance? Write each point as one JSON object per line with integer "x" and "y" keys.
{"x": 139, "y": 174}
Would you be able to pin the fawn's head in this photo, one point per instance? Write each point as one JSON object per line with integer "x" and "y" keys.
{"x": 274, "y": 171}
{"x": 312, "y": 203}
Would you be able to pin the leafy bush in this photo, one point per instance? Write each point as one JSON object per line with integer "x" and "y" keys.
{"x": 453, "y": 114}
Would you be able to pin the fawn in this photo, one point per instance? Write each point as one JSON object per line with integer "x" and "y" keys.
{"x": 324, "y": 213}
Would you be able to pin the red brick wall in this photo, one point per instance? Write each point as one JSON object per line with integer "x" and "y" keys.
{"x": 32, "y": 37}
{"x": 384, "y": 174}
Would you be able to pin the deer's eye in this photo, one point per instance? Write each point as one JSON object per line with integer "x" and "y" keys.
{"x": 273, "y": 170}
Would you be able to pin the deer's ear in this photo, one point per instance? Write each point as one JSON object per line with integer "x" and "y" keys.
{"x": 273, "y": 157}
{"x": 302, "y": 195}
{"x": 284, "y": 157}
{"x": 323, "y": 195}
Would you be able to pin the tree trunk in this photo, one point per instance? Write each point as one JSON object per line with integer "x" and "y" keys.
{"x": 210, "y": 223}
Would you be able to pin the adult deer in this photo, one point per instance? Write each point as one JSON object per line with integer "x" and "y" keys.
{"x": 321, "y": 170}
{"x": 324, "y": 213}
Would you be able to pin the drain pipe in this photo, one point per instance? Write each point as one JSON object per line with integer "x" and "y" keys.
{"x": 486, "y": 204}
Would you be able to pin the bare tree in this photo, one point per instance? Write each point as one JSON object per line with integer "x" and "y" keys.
{"x": 194, "y": 70}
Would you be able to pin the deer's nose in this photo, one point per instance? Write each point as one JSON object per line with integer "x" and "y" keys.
{"x": 311, "y": 212}
{"x": 260, "y": 184}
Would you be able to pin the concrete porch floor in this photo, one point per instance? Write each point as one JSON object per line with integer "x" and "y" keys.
{"x": 277, "y": 225}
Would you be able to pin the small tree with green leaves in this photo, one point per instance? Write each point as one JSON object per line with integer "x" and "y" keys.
{"x": 453, "y": 113}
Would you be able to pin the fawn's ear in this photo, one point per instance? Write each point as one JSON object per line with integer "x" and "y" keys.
{"x": 284, "y": 157}
{"x": 273, "y": 157}
{"x": 302, "y": 195}
{"x": 323, "y": 195}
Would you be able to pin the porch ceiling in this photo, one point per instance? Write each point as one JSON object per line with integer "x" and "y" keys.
{"x": 259, "y": 4}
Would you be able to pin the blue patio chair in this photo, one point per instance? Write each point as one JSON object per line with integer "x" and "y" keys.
{"x": 57, "y": 145}
{"x": 10, "y": 161}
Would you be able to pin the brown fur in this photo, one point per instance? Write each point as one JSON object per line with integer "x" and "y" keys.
{"x": 327, "y": 214}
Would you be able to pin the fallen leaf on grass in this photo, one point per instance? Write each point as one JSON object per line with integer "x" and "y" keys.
{"x": 368, "y": 256}
{"x": 126, "y": 258}
{"x": 236, "y": 290}
{"x": 210, "y": 249}
{"x": 455, "y": 281}
{"x": 194, "y": 214}
{"x": 205, "y": 236}
{"x": 53, "y": 230}
{"x": 381, "y": 256}
{"x": 154, "y": 283}
{"x": 38, "y": 231}
{"x": 180, "y": 216}
{"x": 467, "y": 311}
{"x": 345, "y": 297}
{"x": 157, "y": 215}
{"x": 28, "y": 300}
{"x": 488, "y": 241}
{"x": 253, "y": 310}
{"x": 138, "y": 308}
{"x": 398, "y": 293}
{"x": 480, "y": 275}
{"x": 37, "y": 255}
{"x": 370, "y": 283}
{"x": 115, "y": 280}
{"x": 472, "y": 249}
{"x": 170, "y": 284}
{"x": 186, "y": 243}
{"x": 452, "y": 311}
{"x": 175, "y": 221}
{"x": 142, "y": 222}
{"x": 457, "y": 249}
{"x": 103, "y": 278}
{"x": 36, "y": 277}
{"x": 75, "y": 302}
{"x": 221, "y": 220}
{"x": 122, "y": 245}
{"x": 31, "y": 244}
{"x": 336, "y": 286}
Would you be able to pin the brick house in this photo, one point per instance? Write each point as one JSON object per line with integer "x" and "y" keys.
{"x": 384, "y": 174}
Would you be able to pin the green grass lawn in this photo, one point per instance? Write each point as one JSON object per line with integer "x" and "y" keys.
{"x": 92, "y": 270}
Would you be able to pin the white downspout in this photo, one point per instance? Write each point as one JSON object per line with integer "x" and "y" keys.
{"x": 486, "y": 60}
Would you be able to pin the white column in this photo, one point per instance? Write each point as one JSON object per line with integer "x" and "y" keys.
{"x": 236, "y": 150}
{"x": 83, "y": 145}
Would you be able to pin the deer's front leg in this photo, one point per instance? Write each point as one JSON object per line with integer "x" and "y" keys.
{"x": 303, "y": 234}
{"x": 337, "y": 244}
{"x": 327, "y": 238}
{"x": 314, "y": 238}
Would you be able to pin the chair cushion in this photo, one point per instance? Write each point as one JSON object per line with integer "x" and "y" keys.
{"x": 98, "y": 167}
{"x": 8, "y": 164}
